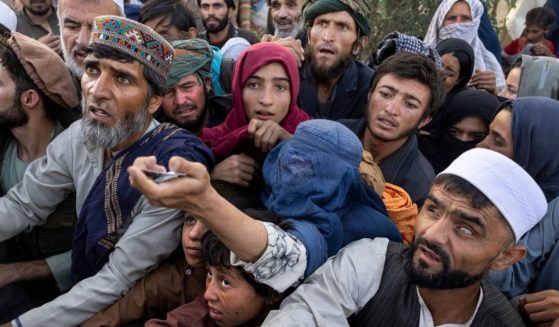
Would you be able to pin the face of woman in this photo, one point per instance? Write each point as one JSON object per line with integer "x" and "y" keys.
{"x": 451, "y": 71}
{"x": 513, "y": 79}
{"x": 469, "y": 129}
{"x": 267, "y": 93}
{"x": 459, "y": 13}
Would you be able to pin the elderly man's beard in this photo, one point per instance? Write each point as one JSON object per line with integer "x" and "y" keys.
{"x": 13, "y": 116}
{"x": 446, "y": 279}
{"x": 70, "y": 58}
{"x": 322, "y": 73}
{"x": 297, "y": 27}
{"x": 98, "y": 135}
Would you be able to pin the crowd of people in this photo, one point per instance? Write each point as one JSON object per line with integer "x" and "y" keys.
{"x": 234, "y": 163}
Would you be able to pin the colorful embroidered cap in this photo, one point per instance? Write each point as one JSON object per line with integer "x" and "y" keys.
{"x": 135, "y": 39}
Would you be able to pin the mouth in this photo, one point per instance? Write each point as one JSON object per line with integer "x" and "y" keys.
{"x": 428, "y": 255}
{"x": 285, "y": 24}
{"x": 98, "y": 113}
{"x": 264, "y": 115}
{"x": 215, "y": 314}
{"x": 387, "y": 123}
{"x": 184, "y": 110}
{"x": 326, "y": 51}
{"x": 193, "y": 251}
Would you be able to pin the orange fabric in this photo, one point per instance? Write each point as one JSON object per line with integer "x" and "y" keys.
{"x": 371, "y": 173}
{"x": 401, "y": 210}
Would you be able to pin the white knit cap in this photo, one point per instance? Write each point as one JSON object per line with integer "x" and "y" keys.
{"x": 507, "y": 185}
{"x": 7, "y": 17}
{"x": 120, "y": 4}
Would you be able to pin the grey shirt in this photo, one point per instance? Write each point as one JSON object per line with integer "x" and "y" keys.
{"x": 70, "y": 165}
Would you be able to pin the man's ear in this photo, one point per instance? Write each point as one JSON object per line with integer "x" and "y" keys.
{"x": 192, "y": 32}
{"x": 208, "y": 82}
{"x": 361, "y": 44}
{"x": 154, "y": 103}
{"x": 424, "y": 121}
{"x": 29, "y": 99}
{"x": 509, "y": 257}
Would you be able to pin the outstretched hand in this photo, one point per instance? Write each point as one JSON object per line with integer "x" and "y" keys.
{"x": 184, "y": 193}
{"x": 266, "y": 134}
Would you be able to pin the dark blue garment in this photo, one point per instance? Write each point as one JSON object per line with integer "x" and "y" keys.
{"x": 488, "y": 36}
{"x": 313, "y": 179}
{"x": 536, "y": 140}
{"x": 106, "y": 212}
{"x": 553, "y": 34}
{"x": 132, "y": 11}
{"x": 350, "y": 100}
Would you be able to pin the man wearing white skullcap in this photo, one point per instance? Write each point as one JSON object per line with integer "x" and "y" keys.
{"x": 8, "y": 19}
{"x": 475, "y": 212}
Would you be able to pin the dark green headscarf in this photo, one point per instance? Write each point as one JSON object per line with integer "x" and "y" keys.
{"x": 200, "y": 61}
{"x": 358, "y": 9}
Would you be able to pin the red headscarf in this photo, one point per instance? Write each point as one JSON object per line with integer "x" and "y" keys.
{"x": 224, "y": 138}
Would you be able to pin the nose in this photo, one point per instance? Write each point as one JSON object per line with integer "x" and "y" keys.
{"x": 392, "y": 107}
{"x": 267, "y": 96}
{"x": 484, "y": 144}
{"x": 198, "y": 231}
{"x": 83, "y": 36}
{"x": 283, "y": 11}
{"x": 180, "y": 97}
{"x": 328, "y": 34}
{"x": 210, "y": 293}
{"x": 99, "y": 87}
{"x": 437, "y": 231}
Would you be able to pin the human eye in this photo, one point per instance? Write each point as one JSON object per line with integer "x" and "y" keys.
{"x": 90, "y": 69}
{"x": 225, "y": 283}
{"x": 384, "y": 94}
{"x": 453, "y": 131}
{"x": 253, "y": 85}
{"x": 186, "y": 87}
{"x": 343, "y": 27}
{"x": 189, "y": 219}
{"x": 411, "y": 105}
{"x": 276, "y": 5}
{"x": 123, "y": 79}
{"x": 479, "y": 136}
{"x": 465, "y": 230}
{"x": 282, "y": 87}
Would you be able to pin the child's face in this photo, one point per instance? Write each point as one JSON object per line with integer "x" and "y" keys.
{"x": 534, "y": 33}
{"x": 231, "y": 299}
{"x": 192, "y": 232}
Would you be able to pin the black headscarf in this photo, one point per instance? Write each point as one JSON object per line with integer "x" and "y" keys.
{"x": 465, "y": 55}
{"x": 468, "y": 103}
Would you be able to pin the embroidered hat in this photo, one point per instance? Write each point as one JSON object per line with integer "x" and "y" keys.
{"x": 507, "y": 185}
{"x": 397, "y": 42}
{"x": 7, "y": 17}
{"x": 46, "y": 69}
{"x": 135, "y": 39}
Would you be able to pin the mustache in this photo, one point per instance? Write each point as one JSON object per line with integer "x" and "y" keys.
{"x": 436, "y": 249}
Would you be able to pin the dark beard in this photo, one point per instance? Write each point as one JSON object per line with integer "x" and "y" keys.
{"x": 446, "y": 279}
{"x": 13, "y": 116}
{"x": 40, "y": 12}
{"x": 324, "y": 74}
{"x": 194, "y": 126}
{"x": 214, "y": 29}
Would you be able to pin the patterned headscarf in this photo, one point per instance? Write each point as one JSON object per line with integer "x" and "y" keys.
{"x": 397, "y": 42}
{"x": 197, "y": 60}
{"x": 358, "y": 9}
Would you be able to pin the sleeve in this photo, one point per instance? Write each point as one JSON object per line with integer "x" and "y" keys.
{"x": 282, "y": 264}
{"x": 551, "y": 47}
{"x": 152, "y": 236}
{"x": 46, "y": 183}
{"x": 338, "y": 289}
{"x": 539, "y": 242}
{"x": 60, "y": 265}
{"x": 148, "y": 293}
{"x": 512, "y": 47}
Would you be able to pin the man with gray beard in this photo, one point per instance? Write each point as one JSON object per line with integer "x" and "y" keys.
{"x": 287, "y": 17}
{"x": 118, "y": 236}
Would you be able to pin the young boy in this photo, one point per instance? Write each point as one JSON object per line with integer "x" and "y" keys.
{"x": 538, "y": 22}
